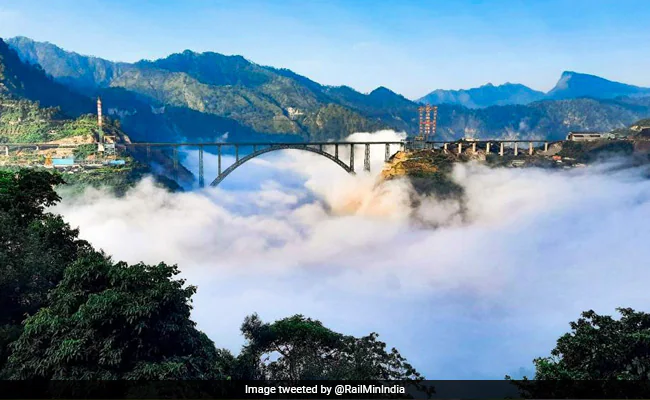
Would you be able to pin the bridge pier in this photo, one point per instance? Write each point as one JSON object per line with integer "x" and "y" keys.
{"x": 219, "y": 160}
{"x": 366, "y": 158}
{"x": 474, "y": 148}
{"x": 516, "y": 149}
{"x": 501, "y": 149}
{"x": 352, "y": 157}
{"x": 460, "y": 148}
{"x": 175, "y": 156}
{"x": 236, "y": 153}
{"x": 387, "y": 154}
{"x": 545, "y": 146}
{"x": 336, "y": 151}
{"x": 201, "y": 180}
{"x": 7, "y": 151}
{"x": 148, "y": 154}
{"x": 530, "y": 148}
{"x": 487, "y": 148}
{"x": 444, "y": 148}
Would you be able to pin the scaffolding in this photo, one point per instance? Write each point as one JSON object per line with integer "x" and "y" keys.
{"x": 428, "y": 124}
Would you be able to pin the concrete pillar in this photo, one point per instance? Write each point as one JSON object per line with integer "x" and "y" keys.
{"x": 501, "y": 150}
{"x": 460, "y": 148}
{"x": 218, "y": 160}
{"x": 7, "y": 151}
{"x": 545, "y": 146}
{"x": 444, "y": 147}
{"x": 516, "y": 149}
{"x": 336, "y": 151}
{"x": 487, "y": 148}
{"x": 474, "y": 147}
{"x": 530, "y": 148}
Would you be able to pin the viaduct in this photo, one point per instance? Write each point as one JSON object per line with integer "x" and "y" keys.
{"x": 329, "y": 150}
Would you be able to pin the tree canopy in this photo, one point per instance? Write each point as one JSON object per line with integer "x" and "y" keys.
{"x": 70, "y": 312}
{"x": 600, "y": 347}
{"x": 298, "y": 348}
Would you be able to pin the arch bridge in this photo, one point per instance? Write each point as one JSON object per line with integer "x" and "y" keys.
{"x": 329, "y": 150}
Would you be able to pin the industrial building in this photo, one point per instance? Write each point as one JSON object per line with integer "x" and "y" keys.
{"x": 587, "y": 136}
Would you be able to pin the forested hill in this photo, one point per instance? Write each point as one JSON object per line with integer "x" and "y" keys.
{"x": 210, "y": 96}
{"x": 19, "y": 80}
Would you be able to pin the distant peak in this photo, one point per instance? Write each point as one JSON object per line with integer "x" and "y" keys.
{"x": 381, "y": 89}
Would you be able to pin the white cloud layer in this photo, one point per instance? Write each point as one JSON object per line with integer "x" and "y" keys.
{"x": 293, "y": 233}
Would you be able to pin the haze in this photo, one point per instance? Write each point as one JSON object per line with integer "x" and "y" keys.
{"x": 475, "y": 298}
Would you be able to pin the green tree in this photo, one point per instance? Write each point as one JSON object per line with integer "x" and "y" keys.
{"x": 600, "y": 358}
{"x": 35, "y": 248}
{"x": 297, "y": 348}
{"x": 114, "y": 321}
{"x": 600, "y": 347}
{"x": 26, "y": 193}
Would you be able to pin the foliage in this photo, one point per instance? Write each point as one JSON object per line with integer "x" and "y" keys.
{"x": 297, "y": 348}
{"x": 84, "y": 150}
{"x": 600, "y": 347}
{"x": 114, "y": 321}
{"x": 35, "y": 248}
{"x": 26, "y": 193}
{"x": 600, "y": 358}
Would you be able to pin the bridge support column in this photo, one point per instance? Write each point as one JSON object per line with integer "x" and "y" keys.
{"x": 366, "y": 158}
{"x": 474, "y": 148}
{"x": 487, "y": 148}
{"x": 444, "y": 148}
{"x": 545, "y": 146}
{"x": 219, "y": 160}
{"x": 236, "y": 153}
{"x": 516, "y": 149}
{"x": 530, "y": 148}
{"x": 352, "y": 157}
{"x": 148, "y": 154}
{"x": 7, "y": 151}
{"x": 387, "y": 154}
{"x": 201, "y": 180}
{"x": 254, "y": 148}
{"x": 175, "y": 157}
{"x": 501, "y": 150}
{"x": 320, "y": 147}
{"x": 460, "y": 148}
{"x": 336, "y": 151}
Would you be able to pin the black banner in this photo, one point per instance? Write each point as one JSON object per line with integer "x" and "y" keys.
{"x": 502, "y": 389}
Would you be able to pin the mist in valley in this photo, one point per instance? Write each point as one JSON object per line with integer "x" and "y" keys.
{"x": 478, "y": 297}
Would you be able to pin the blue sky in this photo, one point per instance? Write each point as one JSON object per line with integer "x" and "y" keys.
{"x": 410, "y": 46}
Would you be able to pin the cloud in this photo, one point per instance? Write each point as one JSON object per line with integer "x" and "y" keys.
{"x": 475, "y": 298}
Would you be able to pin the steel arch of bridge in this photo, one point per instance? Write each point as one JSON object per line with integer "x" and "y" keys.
{"x": 348, "y": 168}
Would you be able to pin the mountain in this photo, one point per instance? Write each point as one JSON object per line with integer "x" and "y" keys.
{"x": 19, "y": 80}
{"x": 573, "y": 85}
{"x": 210, "y": 96}
{"x": 484, "y": 96}
{"x": 232, "y": 95}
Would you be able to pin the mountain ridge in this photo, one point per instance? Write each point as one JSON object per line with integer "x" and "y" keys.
{"x": 210, "y": 96}
{"x": 570, "y": 85}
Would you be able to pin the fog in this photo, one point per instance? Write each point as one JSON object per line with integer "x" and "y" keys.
{"x": 479, "y": 297}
